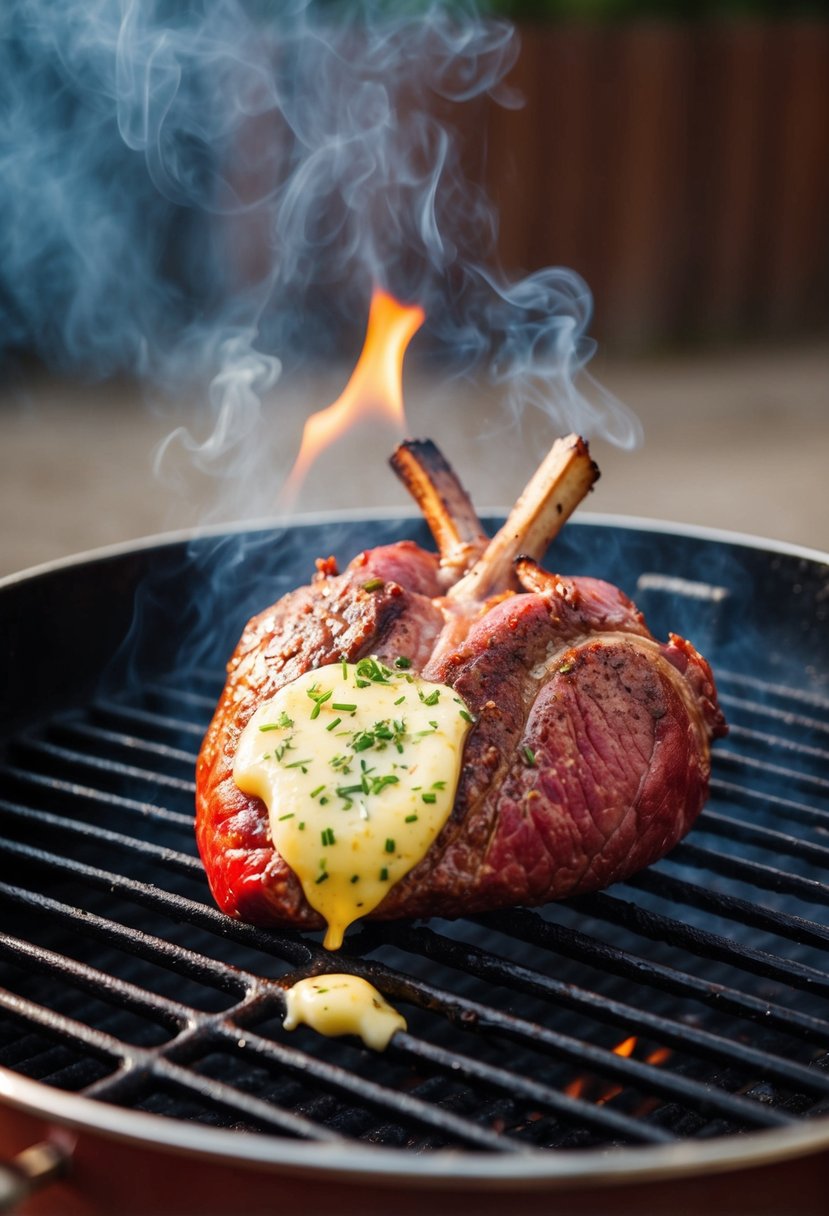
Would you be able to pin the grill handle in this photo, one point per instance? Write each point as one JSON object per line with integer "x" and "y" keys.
{"x": 30, "y": 1170}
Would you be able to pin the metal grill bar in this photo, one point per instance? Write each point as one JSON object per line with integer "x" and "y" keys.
{"x": 771, "y": 878}
{"x": 44, "y": 752}
{"x": 658, "y": 927}
{"x": 767, "y": 838}
{"x": 477, "y": 962}
{"x": 766, "y": 768}
{"x": 134, "y": 1068}
{"x": 176, "y": 958}
{"x": 90, "y": 736}
{"x": 203, "y": 705}
{"x": 146, "y": 746}
{"x": 598, "y": 1117}
{"x": 126, "y": 995}
{"x": 797, "y": 747}
{"x": 105, "y": 799}
{"x": 139, "y": 1064}
{"x": 762, "y": 799}
{"x": 184, "y": 863}
{"x": 570, "y": 942}
{"x": 784, "y": 692}
{"x": 785, "y": 716}
{"x": 663, "y": 1030}
{"x": 794, "y": 928}
{"x": 582, "y": 1053}
{"x": 480, "y": 1017}
{"x": 132, "y": 715}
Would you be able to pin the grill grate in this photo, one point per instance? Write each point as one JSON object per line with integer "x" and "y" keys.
{"x": 122, "y": 981}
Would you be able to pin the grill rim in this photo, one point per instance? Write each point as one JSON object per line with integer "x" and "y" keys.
{"x": 358, "y": 515}
{"x": 356, "y": 1163}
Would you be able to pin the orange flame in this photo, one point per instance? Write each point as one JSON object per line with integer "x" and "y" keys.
{"x": 582, "y": 1085}
{"x": 375, "y": 388}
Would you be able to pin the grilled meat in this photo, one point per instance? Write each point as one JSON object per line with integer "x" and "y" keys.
{"x": 589, "y": 757}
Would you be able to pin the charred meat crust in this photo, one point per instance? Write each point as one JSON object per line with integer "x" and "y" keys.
{"x": 589, "y": 758}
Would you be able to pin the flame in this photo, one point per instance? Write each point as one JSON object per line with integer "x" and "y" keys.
{"x": 581, "y": 1086}
{"x": 375, "y": 388}
{"x": 625, "y": 1048}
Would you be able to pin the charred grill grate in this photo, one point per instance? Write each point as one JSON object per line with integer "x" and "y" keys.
{"x": 690, "y": 1002}
{"x": 125, "y": 983}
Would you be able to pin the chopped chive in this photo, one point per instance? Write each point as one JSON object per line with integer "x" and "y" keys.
{"x": 467, "y": 717}
{"x": 345, "y": 669}
{"x": 390, "y": 845}
{"x": 410, "y": 819}
{"x": 373, "y": 584}
{"x": 290, "y": 815}
{"x": 319, "y": 699}
{"x": 333, "y": 725}
{"x": 529, "y": 756}
{"x": 429, "y": 797}
{"x": 327, "y": 836}
{"x": 431, "y": 699}
{"x": 384, "y": 875}
{"x": 317, "y": 791}
{"x": 402, "y": 662}
{"x": 321, "y": 877}
{"x": 340, "y": 705}
{"x": 301, "y": 826}
{"x": 438, "y": 785}
{"x": 370, "y": 669}
{"x": 269, "y": 726}
{"x": 298, "y": 764}
{"x": 354, "y": 878}
{"x": 379, "y": 783}
{"x": 400, "y": 700}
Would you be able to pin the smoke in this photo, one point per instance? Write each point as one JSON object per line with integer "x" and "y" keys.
{"x": 207, "y": 192}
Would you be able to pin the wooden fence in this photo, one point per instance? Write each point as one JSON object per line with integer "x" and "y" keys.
{"x": 683, "y": 170}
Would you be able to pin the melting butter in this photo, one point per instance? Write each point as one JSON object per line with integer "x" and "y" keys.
{"x": 342, "y": 1004}
{"x": 358, "y": 765}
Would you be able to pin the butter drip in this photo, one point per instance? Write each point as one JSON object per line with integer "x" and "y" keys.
{"x": 358, "y": 765}
{"x": 342, "y": 1004}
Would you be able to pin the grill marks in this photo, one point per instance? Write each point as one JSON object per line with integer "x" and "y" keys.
{"x": 121, "y": 979}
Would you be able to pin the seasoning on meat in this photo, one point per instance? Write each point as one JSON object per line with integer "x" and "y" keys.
{"x": 588, "y": 751}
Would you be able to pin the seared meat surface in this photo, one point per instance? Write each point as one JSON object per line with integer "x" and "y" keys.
{"x": 589, "y": 757}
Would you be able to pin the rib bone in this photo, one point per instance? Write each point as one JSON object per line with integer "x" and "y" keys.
{"x": 445, "y": 504}
{"x": 557, "y": 487}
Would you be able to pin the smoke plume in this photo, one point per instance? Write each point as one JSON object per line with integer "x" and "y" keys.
{"x": 208, "y": 191}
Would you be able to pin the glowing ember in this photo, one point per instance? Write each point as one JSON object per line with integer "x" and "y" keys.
{"x": 374, "y": 390}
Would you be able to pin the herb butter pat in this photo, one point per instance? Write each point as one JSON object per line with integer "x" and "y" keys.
{"x": 358, "y": 765}
{"x": 342, "y": 1004}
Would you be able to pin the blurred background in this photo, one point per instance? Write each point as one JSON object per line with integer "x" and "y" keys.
{"x": 197, "y": 200}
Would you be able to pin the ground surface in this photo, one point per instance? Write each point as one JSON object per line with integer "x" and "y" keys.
{"x": 734, "y": 440}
